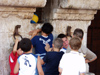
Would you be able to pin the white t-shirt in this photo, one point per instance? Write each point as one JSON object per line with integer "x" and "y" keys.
{"x": 72, "y": 63}
{"x": 27, "y": 64}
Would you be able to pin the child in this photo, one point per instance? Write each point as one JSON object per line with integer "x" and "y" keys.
{"x": 65, "y": 42}
{"x": 89, "y": 55}
{"x": 72, "y": 63}
{"x": 13, "y": 56}
{"x": 26, "y": 63}
{"x": 39, "y": 41}
{"x": 52, "y": 58}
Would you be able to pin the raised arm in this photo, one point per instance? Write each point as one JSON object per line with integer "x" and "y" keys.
{"x": 34, "y": 33}
{"x": 15, "y": 46}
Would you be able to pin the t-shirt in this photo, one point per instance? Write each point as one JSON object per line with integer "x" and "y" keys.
{"x": 27, "y": 64}
{"x": 39, "y": 43}
{"x": 52, "y": 61}
{"x": 63, "y": 50}
{"x": 72, "y": 63}
{"x": 12, "y": 62}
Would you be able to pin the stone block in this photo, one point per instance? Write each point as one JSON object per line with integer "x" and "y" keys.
{"x": 61, "y": 25}
{"x": 16, "y": 9}
{"x": 23, "y": 15}
{"x": 81, "y": 17}
{"x": 81, "y": 4}
{"x": 75, "y": 11}
{"x": 23, "y": 3}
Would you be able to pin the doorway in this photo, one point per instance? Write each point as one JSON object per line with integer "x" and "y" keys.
{"x": 93, "y": 43}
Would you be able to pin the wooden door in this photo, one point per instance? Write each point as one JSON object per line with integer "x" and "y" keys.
{"x": 93, "y": 43}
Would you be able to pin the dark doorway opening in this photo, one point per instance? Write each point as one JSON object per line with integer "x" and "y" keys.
{"x": 93, "y": 43}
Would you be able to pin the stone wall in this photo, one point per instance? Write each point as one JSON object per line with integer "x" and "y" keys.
{"x": 10, "y": 17}
{"x": 60, "y": 13}
{"x": 12, "y": 13}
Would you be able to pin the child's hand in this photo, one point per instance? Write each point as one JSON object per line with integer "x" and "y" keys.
{"x": 34, "y": 32}
{"x": 47, "y": 47}
{"x": 31, "y": 32}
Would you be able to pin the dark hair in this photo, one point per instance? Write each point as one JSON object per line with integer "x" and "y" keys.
{"x": 61, "y": 36}
{"x": 75, "y": 43}
{"x": 47, "y": 28}
{"x": 58, "y": 43}
{"x": 25, "y": 44}
{"x": 79, "y": 33}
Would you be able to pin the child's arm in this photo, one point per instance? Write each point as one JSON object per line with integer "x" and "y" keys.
{"x": 15, "y": 46}
{"x": 39, "y": 66}
{"x": 82, "y": 74}
{"x": 16, "y": 68}
{"x": 34, "y": 33}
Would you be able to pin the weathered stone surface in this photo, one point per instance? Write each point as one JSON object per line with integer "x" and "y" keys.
{"x": 23, "y": 3}
{"x": 7, "y": 26}
{"x": 23, "y": 15}
{"x": 60, "y": 26}
{"x": 81, "y": 4}
{"x": 75, "y": 11}
{"x": 81, "y": 17}
{"x": 16, "y": 9}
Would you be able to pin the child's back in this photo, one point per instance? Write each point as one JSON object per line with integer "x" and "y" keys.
{"x": 72, "y": 63}
{"x": 52, "y": 58}
{"x": 52, "y": 62}
{"x": 27, "y": 64}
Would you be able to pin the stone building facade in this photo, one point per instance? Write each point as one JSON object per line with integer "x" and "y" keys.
{"x": 60, "y": 13}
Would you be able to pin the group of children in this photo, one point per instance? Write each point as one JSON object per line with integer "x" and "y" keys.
{"x": 49, "y": 59}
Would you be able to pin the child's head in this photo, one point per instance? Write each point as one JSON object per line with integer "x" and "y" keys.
{"x": 25, "y": 44}
{"x": 47, "y": 28}
{"x": 19, "y": 51}
{"x": 58, "y": 43}
{"x": 79, "y": 33}
{"x": 65, "y": 40}
{"x": 75, "y": 43}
